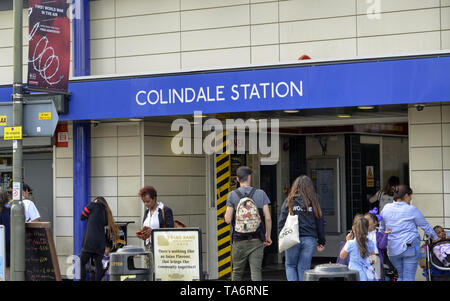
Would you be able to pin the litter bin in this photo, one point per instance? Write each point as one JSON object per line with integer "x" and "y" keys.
{"x": 331, "y": 272}
{"x": 131, "y": 263}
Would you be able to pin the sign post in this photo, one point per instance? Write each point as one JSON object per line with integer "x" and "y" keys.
{"x": 17, "y": 209}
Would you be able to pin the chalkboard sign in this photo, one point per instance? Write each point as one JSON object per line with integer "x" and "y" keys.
{"x": 41, "y": 262}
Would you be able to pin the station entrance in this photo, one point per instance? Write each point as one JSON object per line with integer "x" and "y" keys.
{"x": 349, "y": 156}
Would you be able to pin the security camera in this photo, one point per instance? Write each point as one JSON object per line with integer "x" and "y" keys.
{"x": 419, "y": 108}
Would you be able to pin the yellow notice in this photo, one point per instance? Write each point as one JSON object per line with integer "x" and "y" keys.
{"x": 13, "y": 132}
{"x": 45, "y": 115}
{"x": 126, "y": 277}
{"x": 3, "y": 120}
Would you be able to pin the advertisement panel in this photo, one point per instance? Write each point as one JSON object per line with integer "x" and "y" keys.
{"x": 177, "y": 254}
{"x": 49, "y": 45}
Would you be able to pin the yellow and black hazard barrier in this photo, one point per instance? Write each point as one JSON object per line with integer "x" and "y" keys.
{"x": 223, "y": 174}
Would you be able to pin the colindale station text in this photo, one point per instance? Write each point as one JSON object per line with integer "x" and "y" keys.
{"x": 247, "y": 91}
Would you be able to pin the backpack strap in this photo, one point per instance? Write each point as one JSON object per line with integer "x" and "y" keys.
{"x": 250, "y": 195}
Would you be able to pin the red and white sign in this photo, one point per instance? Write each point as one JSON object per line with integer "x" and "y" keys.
{"x": 62, "y": 135}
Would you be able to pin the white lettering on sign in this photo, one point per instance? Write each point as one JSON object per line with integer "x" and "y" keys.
{"x": 254, "y": 91}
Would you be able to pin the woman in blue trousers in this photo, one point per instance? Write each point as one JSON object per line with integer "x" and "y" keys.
{"x": 404, "y": 242}
{"x": 303, "y": 202}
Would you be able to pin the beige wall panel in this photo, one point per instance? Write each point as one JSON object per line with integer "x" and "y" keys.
{"x": 319, "y": 50}
{"x": 102, "y": 9}
{"x": 446, "y": 157}
{"x": 103, "y": 147}
{"x": 149, "y": 44}
{"x": 314, "y": 30}
{"x": 6, "y": 19}
{"x": 429, "y": 114}
{"x": 445, "y": 18}
{"x": 429, "y": 204}
{"x": 64, "y": 187}
{"x": 128, "y": 186}
{"x": 102, "y": 29}
{"x": 180, "y": 166}
{"x": 103, "y": 130}
{"x": 447, "y": 205}
{"x": 141, "y": 7}
{"x": 399, "y": 44}
{"x": 129, "y": 166}
{"x": 305, "y": 9}
{"x": 265, "y": 54}
{"x": 129, "y": 146}
{"x": 158, "y": 130}
{"x": 264, "y": 34}
{"x": 6, "y": 75}
{"x": 6, "y": 37}
{"x": 428, "y": 158}
{"x": 185, "y": 204}
{"x": 147, "y": 24}
{"x": 400, "y": 22}
{"x": 446, "y": 134}
{"x": 425, "y": 135}
{"x": 103, "y": 66}
{"x": 64, "y": 168}
{"x": 157, "y": 145}
{"x": 264, "y": 13}
{"x": 148, "y": 63}
{"x": 64, "y": 207}
{"x": 446, "y": 181}
{"x": 130, "y": 206}
{"x": 104, "y": 186}
{"x": 215, "y": 38}
{"x": 199, "y": 4}
{"x": 178, "y": 185}
{"x": 389, "y": 5}
{"x": 64, "y": 247}
{"x": 426, "y": 181}
{"x": 216, "y": 58}
{"x": 103, "y": 48}
{"x": 215, "y": 17}
{"x": 6, "y": 56}
{"x": 446, "y": 113}
{"x": 63, "y": 226}
{"x": 104, "y": 166}
{"x": 129, "y": 130}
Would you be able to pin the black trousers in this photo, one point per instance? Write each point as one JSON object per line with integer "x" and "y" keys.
{"x": 84, "y": 259}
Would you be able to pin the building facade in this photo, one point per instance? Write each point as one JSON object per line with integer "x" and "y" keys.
{"x": 145, "y": 39}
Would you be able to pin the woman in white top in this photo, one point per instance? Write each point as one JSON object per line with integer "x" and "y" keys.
{"x": 156, "y": 214}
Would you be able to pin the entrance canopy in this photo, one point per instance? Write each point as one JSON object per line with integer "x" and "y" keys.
{"x": 267, "y": 88}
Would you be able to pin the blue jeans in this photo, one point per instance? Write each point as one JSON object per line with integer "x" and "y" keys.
{"x": 406, "y": 263}
{"x": 298, "y": 258}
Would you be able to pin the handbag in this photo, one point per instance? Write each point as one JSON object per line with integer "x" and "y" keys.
{"x": 289, "y": 235}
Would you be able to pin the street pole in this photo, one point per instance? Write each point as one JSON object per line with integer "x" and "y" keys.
{"x": 17, "y": 210}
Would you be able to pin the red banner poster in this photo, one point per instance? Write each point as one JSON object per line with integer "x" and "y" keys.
{"x": 49, "y": 45}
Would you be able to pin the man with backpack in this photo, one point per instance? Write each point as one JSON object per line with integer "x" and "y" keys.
{"x": 248, "y": 210}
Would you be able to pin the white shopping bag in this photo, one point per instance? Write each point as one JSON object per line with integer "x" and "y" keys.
{"x": 288, "y": 236}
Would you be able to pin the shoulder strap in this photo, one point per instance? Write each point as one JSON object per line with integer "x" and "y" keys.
{"x": 239, "y": 194}
{"x": 250, "y": 195}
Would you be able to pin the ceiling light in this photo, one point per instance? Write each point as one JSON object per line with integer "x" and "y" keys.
{"x": 366, "y": 107}
{"x": 291, "y": 111}
{"x": 344, "y": 116}
{"x": 135, "y": 119}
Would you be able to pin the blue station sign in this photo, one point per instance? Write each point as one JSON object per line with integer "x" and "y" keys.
{"x": 282, "y": 87}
